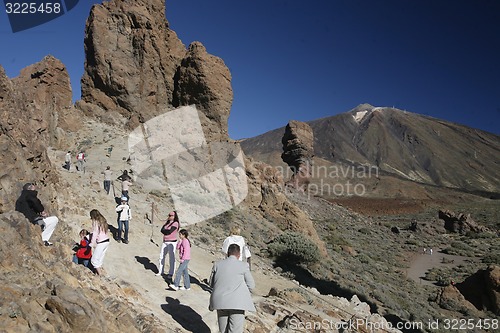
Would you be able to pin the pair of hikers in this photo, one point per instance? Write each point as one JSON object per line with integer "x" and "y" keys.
{"x": 32, "y": 208}
{"x": 83, "y": 250}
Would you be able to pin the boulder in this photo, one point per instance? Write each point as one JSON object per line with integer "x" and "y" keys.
{"x": 460, "y": 223}
{"x": 482, "y": 289}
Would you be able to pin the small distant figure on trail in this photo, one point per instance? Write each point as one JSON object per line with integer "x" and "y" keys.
{"x": 430, "y": 251}
{"x": 83, "y": 251}
{"x": 29, "y": 204}
{"x": 109, "y": 150}
{"x": 100, "y": 240}
{"x": 231, "y": 281}
{"x": 184, "y": 247}
{"x": 125, "y": 185}
{"x": 67, "y": 160}
{"x": 107, "y": 179}
{"x": 126, "y": 182}
{"x": 235, "y": 238}
{"x": 123, "y": 219}
{"x": 425, "y": 250}
{"x": 80, "y": 160}
{"x": 169, "y": 230}
{"x": 124, "y": 176}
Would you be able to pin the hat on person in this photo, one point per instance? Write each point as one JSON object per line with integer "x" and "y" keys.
{"x": 124, "y": 199}
{"x": 27, "y": 186}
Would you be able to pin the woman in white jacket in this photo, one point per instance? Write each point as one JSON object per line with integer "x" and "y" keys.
{"x": 236, "y": 238}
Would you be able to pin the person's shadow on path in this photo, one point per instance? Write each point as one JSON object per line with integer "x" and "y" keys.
{"x": 203, "y": 284}
{"x": 114, "y": 231}
{"x": 148, "y": 265}
{"x": 189, "y": 319}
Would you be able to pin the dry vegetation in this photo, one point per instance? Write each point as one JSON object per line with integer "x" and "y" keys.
{"x": 367, "y": 258}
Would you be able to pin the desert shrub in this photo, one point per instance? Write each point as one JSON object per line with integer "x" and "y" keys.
{"x": 492, "y": 258}
{"x": 365, "y": 231}
{"x": 481, "y": 235}
{"x": 293, "y": 247}
{"x": 364, "y": 259}
{"x": 334, "y": 239}
{"x": 459, "y": 248}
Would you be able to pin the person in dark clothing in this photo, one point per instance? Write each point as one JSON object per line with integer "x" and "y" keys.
{"x": 124, "y": 176}
{"x": 32, "y": 208}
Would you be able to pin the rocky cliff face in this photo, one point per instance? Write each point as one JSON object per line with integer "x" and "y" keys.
{"x": 204, "y": 80}
{"x": 36, "y": 112}
{"x": 482, "y": 289}
{"x": 136, "y": 66}
{"x": 131, "y": 59}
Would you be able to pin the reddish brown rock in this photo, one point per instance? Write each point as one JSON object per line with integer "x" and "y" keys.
{"x": 493, "y": 287}
{"x": 204, "y": 80}
{"x": 460, "y": 223}
{"x": 298, "y": 152}
{"x": 131, "y": 59}
{"x": 483, "y": 289}
{"x": 32, "y": 107}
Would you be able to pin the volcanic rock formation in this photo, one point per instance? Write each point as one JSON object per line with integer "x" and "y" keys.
{"x": 137, "y": 66}
{"x": 36, "y": 112}
{"x": 460, "y": 223}
{"x": 298, "y": 152}
{"x": 483, "y": 289}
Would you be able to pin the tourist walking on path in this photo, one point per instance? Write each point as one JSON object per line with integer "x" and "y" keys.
{"x": 124, "y": 176}
{"x": 236, "y": 238}
{"x": 184, "y": 247}
{"x": 126, "y": 182}
{"x": 80, "y": 160}
{"x": 29, "y": 204}
{"x": 169, "y": 230}
{"x": 124, "y": 217}
{"x": 231, "y": 282}
{"x": 107, "y": 179}
{"x": 100, "y": 240}
{"x": 67, "y": 160}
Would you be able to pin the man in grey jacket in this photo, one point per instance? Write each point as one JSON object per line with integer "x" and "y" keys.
{"x": 231, "y": 282}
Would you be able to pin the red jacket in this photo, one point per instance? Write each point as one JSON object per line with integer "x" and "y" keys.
{"x": 85, "y": 251}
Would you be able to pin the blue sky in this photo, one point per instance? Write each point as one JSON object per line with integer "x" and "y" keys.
{"x": 306, "y": 60}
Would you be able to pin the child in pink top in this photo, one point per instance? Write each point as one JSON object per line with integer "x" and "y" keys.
{"x": 184, "y": 247}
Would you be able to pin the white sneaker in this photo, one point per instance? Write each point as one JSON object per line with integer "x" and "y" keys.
{"x": 158, "y": 274}
{"x": 172, "y": 286}
{"x": 184, "y": 288}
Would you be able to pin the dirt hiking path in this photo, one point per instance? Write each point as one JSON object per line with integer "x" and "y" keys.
{"x": 423, "y": 262}
{"x": 133, "y": 266}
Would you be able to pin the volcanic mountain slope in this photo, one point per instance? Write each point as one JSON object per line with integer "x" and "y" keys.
{"x": 399, "y": 144}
